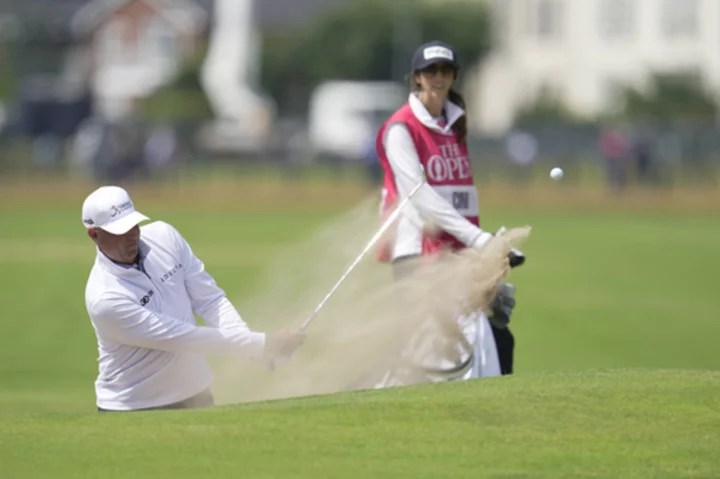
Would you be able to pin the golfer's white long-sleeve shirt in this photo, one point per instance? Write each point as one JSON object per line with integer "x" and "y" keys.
{"x": 151, "y": 350}
{"x": 427, "y": 204}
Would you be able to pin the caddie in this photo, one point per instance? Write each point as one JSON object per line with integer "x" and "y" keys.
{"x": 427, "y": 137}
{"x": 143, "y": 292}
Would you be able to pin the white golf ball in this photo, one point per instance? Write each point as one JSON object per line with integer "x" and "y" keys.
{"x": 556, "y": 173}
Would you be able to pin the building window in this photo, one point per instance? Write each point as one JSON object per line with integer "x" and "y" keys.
{"x": 544, "y": 18}
{"x": 679, "y": 18}
{"x": 549, "y": 18}
{"x": 160, "y": 40}
{"x": 617, "y": 18}
{"x": 112, "y": 46}
{"x": 501, "y": 21}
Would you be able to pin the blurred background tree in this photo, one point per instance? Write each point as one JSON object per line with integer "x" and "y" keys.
{"x": 547, "y": 109}
{"x": 669, "y": 99}
{"x": 368, "y": 40}
{"x": 181, "y": 100}
{"x": 7, "y": 86}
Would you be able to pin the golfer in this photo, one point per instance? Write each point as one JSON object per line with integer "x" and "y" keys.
{"x": 142, "y": 296}
{"x": 427, "y": 136}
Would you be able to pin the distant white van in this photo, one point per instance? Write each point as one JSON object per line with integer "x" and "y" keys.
{"x": 344, "y": 116}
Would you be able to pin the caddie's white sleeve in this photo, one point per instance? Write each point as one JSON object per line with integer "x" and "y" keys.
{"x": 405, "y": 164}
{"x": 208, "y": 299}
{"x": 122, "y": 319}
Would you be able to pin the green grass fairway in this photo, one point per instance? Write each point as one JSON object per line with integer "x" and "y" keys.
{"x": 629, "y": 424}
{"x": 625, "y": 285}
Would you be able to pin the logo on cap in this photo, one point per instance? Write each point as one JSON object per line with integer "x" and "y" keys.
{"x": 89, "y": 222}
{"x": 118, "y": 210}
{"x": 437, "y": 52}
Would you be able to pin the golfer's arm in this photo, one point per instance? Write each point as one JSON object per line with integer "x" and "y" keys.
{"x": 126, "y": 322}
{"x": 405, "y": 164}
{"x": 209, "y": 301}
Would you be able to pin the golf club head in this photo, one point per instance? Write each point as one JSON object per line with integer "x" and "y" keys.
{"x": 516, "y": 258}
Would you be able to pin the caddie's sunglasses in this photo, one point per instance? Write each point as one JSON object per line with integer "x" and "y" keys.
{"x": 446, "y": 69}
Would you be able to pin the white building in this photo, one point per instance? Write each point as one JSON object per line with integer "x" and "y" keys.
{"x": 135, "y": 47}
{"x": 583, "y": 51}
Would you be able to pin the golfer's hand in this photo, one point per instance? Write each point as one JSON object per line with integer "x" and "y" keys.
{"x": 481, "y": 241}
{"x": 283, "y": 343}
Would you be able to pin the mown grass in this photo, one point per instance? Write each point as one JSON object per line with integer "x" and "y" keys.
{"x": 611, "y": 283}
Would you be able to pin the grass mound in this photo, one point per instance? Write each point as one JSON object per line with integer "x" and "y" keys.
{"x": 630, "y": 423}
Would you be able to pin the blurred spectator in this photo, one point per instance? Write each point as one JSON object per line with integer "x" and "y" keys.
{"x": 112, "y": 151}
{"x": 372, "y": 161}
{"x": 296, "y": 149}
{"x": 521, "y": 148}
{"x": 90, "y": 145}
{"x": 160, "y": 149}
{"x": 46, "y": 149}
{"x": 129, "y": 161}
{"x": 614, "y": 149}
{"x": 3, "y": 116}
{"x": 643, "y": 155}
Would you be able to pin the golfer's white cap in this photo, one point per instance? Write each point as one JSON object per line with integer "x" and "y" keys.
{"x": 111, "y": 209}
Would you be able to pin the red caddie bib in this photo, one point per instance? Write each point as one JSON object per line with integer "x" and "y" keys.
{"x": 447, "y": 170}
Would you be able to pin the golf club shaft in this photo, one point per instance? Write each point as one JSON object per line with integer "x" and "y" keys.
{"x": 276, "y": 362}
{"x": 383, "y": 228}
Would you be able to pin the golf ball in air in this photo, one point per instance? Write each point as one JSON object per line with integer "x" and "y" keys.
{"x": 556, "y": 173}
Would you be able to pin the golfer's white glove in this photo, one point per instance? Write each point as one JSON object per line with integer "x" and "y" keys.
{"x": 281, "y": 346}
{"x": 482, "y": 240}
{"x": 284, "y": 343}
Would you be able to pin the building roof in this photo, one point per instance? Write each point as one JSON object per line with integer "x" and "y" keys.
{"x": 59, "y": 14}
{"x": 183, "y": 14}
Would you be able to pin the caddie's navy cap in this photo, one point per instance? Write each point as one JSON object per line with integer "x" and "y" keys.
{"x": 434, "y": 52}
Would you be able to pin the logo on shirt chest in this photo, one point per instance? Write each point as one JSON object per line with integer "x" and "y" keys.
{"x": 450, "y": 165}
{"x": 169, "y": 274}
{"x": 146, "y": 299}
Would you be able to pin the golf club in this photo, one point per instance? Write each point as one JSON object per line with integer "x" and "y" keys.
{"x": 376, "y": 237}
